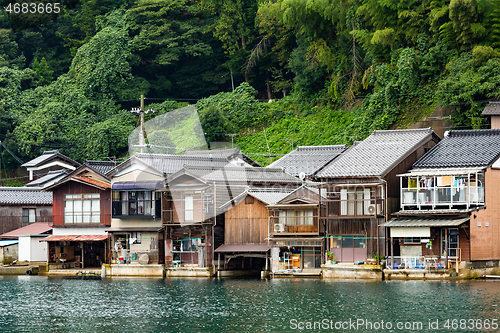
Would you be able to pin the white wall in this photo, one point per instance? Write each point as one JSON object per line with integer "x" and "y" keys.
{"x": 31, "y": 249}
{"x": 79, "y": 231}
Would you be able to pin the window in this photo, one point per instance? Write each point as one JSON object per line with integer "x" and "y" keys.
{"x": 29, "y": 215}
{"x": 412, "y": 240}
{"x": 188, "y": 208}
{"x": 249, "y": 200}
{"x": 296, "y": 217}
{"x": 136, "y": 236}
{"x": 135, "y": 203}
{"x": 82, "y": 208}
{"x": 348, "y": 241}
{"x": 355, "y": 202}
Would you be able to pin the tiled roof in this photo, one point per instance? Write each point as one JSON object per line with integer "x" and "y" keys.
{"x": 92, "y": 181}
{"x": 24, "y": 196}
{"x": 220, "y": 153}
{"x": 466, "y": 148}
{"x": 242, "y": 174}
{"x": 377, "y": 154}
{"x": 101, "y": 167}
{"x": 228, "y": 154}
{"x": 492, "y": 109}
{"x": 170, "y": 164}
{"x": 36, "y": 228}
{"x": 267, "y": 197}
{"x": 47, "y": 156}
{"x": 308, "y": 159}
{"x": 48, "y": 179}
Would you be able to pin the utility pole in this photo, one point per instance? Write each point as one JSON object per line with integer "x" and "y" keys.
{"x": 232, "y": 137}
{"x": 140, "y": 111}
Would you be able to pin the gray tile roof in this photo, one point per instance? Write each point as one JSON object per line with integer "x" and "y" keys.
{"x": 48, "y": 156}
{"x": 308, "y": 159}
{"x": 102, "y": 167}
{"x": 242, "y": 175}
{"x": 24, "y": 196}
{"x": 492, "y": 109}
{"x": 228, "y": 154}
{"x": 267, "y": 197}
{"x": 170, "y": 164}
{"x": 377, "y": 154}
{"x": 466, "y": 148}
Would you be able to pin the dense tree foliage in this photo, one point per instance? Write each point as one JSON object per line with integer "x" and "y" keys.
{"x": 307, "y": 71}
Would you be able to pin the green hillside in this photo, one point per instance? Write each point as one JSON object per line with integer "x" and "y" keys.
{"x": 307, "y": 71}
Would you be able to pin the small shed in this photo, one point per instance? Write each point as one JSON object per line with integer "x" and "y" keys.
{"x": 8, "y": 251}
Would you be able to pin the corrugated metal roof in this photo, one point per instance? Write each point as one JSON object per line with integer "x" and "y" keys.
{"x": 492, "y": 109}
{"x": 426, "y": 222}
{"x": 463, "y": 149}
{"x": 377, "y": 154}
{"x": 75, "y": 238}
{"x": 24, "y": 196}
{"x": 47, "y": 156}
{"x": 308, "y": 159}
{"x": 243, "y": 248}
{"x": 8, "y": 242}
{"x": 145, "y": 229}
{"x": 48, "y": 179}
{"x": 31, "y": 229}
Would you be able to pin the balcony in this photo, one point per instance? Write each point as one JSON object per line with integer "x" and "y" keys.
{"x": 355, "y": 201}
{"x": 286, "y": 223}
{"x": 449, "y": 192}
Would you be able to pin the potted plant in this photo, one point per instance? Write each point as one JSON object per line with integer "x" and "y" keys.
{"x": 331, "y": 257}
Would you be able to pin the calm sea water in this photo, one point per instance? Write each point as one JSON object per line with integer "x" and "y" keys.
{"x": 34, "y": 304}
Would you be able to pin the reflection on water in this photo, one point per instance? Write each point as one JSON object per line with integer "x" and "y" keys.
{"x": 32, "y": 303}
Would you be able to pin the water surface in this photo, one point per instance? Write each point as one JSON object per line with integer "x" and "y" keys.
{"x": 36, "y": 303}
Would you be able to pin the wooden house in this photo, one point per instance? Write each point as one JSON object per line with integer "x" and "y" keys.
{"x": 295, "y": 231}
{"x": 362, "y": 190}
{"x": 195, "y": 202}
{"x": 51, "y": 160}
{"x": 492, "y": 111}
{"x": 449, "y": 204}
{"x": 21, "y": 206}
{"x": 82, "y": 213}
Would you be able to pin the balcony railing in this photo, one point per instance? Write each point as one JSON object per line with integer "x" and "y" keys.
{"x": 441, "y": 196}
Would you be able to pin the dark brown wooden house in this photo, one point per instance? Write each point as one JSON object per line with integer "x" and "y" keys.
{"x": 82, "y": 213}
{"x": 362, "y": 190}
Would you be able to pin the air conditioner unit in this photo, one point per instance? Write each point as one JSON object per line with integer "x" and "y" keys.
{"x": 371, "y": 209}
{"x": 279, "y": 227}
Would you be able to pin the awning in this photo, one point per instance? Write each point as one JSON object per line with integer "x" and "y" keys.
{"x": 75, "y": 238}
{"x": 135, "y": 229}
{"x": 440, "y": 172}
{"x": 137, "y": 185}
{"x": 426, "y": 222}
{"x": 242, "y": 248}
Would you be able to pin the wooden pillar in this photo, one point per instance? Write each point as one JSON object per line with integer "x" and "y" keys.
{"x": 392, "y": 253}
{"x": 446, "y": 246}
{"x": 83, "y": 254}
{"x": 218, "y": 263}
{"x": 267, "y": 261}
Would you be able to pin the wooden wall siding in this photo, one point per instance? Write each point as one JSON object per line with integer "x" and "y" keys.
{"x": 366, "y": 227}
{"x": 11, "y": 217}
{"x": 246, "y": 223}
{"x": 79, "y": 188}
{"x": 484, "y": 241}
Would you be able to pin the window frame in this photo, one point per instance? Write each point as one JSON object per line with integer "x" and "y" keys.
{"x": 28, "y": 216}
{"x": 142, "y": 203}
{"x": 78, "y": 212}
